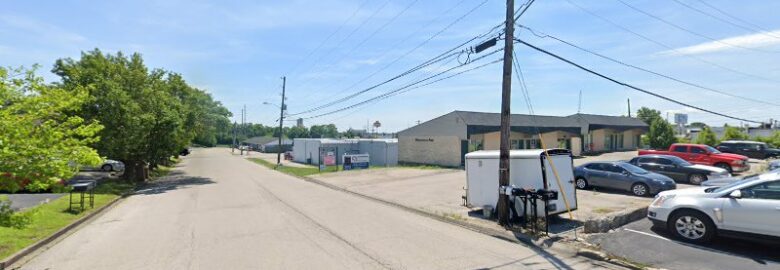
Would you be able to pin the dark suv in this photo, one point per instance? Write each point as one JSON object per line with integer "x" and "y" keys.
{"x": 750, "y": 149}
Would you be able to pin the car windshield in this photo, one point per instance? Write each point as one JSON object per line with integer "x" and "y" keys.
{"x": 726, "y": 187}
{"x": 712, "y": 149}
{"x": 680, "y": 162}
{"x": 633, "y": 169}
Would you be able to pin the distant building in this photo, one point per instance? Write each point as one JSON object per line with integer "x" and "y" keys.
{"x": 382, "y": 152}
{"x": 446, "y": 139}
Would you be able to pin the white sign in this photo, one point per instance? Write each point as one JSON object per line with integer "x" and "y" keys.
{"x": 680, "y": 118}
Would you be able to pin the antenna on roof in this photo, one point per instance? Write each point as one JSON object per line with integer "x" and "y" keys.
{"x": 579, "y": 103}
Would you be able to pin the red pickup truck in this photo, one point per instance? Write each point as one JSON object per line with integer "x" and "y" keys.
{"x": 705, "y": 155}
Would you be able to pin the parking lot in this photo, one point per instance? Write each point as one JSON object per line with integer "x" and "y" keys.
{"x": 439, "y": 191}
{"x": 644, "y": 244}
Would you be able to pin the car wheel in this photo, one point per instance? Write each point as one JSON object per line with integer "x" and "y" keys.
{"x": 581, "y": 183}
{"x": 640, "y": 189}
{"x": 696, "y": 179}
{"x": 724, "y": 166}
{"x": 691, "y": 226}
{"x": 107, "y": 168}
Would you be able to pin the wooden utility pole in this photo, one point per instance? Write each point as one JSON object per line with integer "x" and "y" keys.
{"x": 506, "y": 94}
{"x": 281, "y": 122}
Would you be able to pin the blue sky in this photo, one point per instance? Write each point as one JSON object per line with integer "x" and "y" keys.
{"x": 239, "y": 50}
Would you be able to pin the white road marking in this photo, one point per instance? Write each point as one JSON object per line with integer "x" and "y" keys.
{"x": 648, "y": 234}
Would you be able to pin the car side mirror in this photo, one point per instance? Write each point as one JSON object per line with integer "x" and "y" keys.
{"x": 735, "y": 194}
{"x": 626, "y": 173}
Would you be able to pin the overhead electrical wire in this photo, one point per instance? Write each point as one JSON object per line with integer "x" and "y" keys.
{"x": 629, "y": 85}
{"x": 367, "y": 38}
{"x": 328, "y": 37}
{"x": 735, "y": 17}
{"x": 544, "y": 35}
{"x": 410, "y": 85}
{"x": 338, "y": 45}
{"x": 401, "y": 57}
{"x": 668, "y": 47}
{"x": 724, "y": 20}
{"x": 667, "y": 22}
{"x": 413, "y": 34}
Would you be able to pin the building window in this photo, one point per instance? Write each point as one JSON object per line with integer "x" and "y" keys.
{"x": 620, "y": 141}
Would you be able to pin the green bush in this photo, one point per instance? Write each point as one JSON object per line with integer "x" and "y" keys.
{"x": 12, "y": 219}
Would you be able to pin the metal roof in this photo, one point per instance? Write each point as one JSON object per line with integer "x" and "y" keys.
{"x": 607, "y": 120}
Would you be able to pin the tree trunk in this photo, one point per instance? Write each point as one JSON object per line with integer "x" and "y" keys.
{"x": 136, "y": 171}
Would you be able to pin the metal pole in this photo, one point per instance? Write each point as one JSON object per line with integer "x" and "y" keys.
{"x": 281, "y": 122}
{"x": 506, "y": 93}
{"x": 281, "y": 128}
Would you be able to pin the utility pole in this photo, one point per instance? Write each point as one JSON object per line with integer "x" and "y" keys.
{"x": 579, "y": 102}
{"x": 629, "y": 107}
{"x": 233, "y": 147}
{"x": 281, "y": 122}
{"x": 506, "y": 94}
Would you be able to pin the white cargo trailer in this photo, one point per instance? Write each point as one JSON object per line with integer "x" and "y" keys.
{"x": 528, "y": 169}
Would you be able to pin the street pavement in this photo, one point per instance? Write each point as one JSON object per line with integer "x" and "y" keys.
{"x": 220, "y": 211}
{"x": 640, "y": 243}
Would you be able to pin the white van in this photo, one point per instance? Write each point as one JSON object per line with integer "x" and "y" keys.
{"x": 528, "y": 169}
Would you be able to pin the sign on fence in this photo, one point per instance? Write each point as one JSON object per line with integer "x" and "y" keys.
{"x": 355, "y": 161}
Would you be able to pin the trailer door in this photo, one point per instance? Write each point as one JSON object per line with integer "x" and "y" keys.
{"x": 563, "y": 165}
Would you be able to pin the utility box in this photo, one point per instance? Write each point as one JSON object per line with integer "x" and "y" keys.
{"x": 528, "y": 169}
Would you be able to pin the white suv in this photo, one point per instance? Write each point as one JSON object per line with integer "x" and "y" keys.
{"x": 748, "y": 208}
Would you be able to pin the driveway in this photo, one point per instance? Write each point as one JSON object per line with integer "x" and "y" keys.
{"x": 220, "y": 211}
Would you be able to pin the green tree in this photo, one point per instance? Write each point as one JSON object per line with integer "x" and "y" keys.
{"x": 648, "y": 115}
{"x": 297, "y": 132}
{"x": 734, "y": 133}
{"x": 149, "y": 116}
{"x": 661, "y": 134}
{"x": 324, "y": 131}
{"x": 698, "y": 125}
{"x": 41, "y": 142}
{"x": 706, "y": 136}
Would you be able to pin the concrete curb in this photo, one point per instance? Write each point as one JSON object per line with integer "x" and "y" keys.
{"x": 10, "y": 260}
{"x": 611, "y": 222}
{"x": 506, "y": 235}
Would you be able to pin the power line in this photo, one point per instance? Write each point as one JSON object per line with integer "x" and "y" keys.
{"x": 735, "y": 17}
{"x": 629, "y": 85}
{"x": 328, "y": 38}
{"x": 723, "y": 20}
{"x": 690, "y": 31}
{"x": 386, "y": 51}
{"x": 360, "y": 26}
{"x": 404, "y": 55}
{"x": 544, "y": 35}
{"x": 397, "y": 90}
{"x": 367, "y": 38}
{"x": 668, "y": 47}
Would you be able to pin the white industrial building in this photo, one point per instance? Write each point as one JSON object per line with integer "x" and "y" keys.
{"x": 382, "y": 152}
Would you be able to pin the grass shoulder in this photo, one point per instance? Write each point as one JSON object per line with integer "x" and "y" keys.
{"x": 294, "y": 170}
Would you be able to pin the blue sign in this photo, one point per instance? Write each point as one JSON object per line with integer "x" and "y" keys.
{"x": 355, "y": 161}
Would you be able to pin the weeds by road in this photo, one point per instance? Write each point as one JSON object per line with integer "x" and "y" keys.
{"x": 297, "y": 171}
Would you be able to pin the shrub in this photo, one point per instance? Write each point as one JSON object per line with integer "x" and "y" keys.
{"x": 13, "y": 219}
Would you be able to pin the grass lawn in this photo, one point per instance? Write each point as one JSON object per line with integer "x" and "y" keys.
{"x": 297, "y": 171}
{"x": 53, "y": 216}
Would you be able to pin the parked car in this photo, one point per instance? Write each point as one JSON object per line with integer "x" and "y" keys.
{"x": 679, "y": 169}
{"x": 704, "y": 155}
{"x": 621, "y": 175}
{"x": 774, "y": 165}
{"x": 750, "y": 149}
{"x": 745, "y": 209}
{"x": 108, "y": 165}
{"x": 288, "y": 155}
{"x": 728, "y": 180}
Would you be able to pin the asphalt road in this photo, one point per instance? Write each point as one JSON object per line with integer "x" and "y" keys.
{"x": 641, "y": 243}
{"x": 219, "y": 211}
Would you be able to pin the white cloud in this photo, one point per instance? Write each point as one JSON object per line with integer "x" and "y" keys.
{"x": 748, "y": 41}
{"x": 41, "y": 29}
